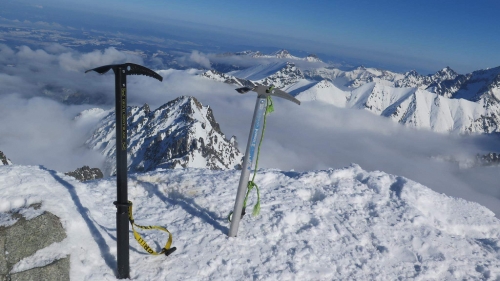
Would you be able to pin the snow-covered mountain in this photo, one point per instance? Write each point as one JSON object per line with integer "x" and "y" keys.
{"x": 342, "y": 224}
{"x": 226, "y": 78}
{"x": 415, "y": 80}
{"x": 4, "y": 160}
{"x": 443, "y": 102}
{"x": 280, "y": 54}
{"x": 279, "y": 74}
{"x": 353, "y": 78}
{"x": 413, "y": 107}
{"x": 181, "y": 133}
{"x": 481, "y": 84}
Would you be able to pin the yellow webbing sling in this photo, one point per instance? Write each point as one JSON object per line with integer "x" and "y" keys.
{"x": 166, "y": 250}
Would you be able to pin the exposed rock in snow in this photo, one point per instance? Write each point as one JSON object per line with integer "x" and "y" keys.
{"x": 4, "y": 160}
{"x": 86, "y": 173}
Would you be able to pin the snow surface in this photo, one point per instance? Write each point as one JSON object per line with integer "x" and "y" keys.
{"x": 344, "y": 224}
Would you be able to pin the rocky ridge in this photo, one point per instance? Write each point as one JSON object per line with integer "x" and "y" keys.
{"x": 180, "y": 134}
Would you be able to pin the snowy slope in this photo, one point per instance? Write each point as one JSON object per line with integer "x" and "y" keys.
{"x": 226, "y": 78}
{"x": 180, "y": 133}
{"x": 345, "y": 224}
{"x": 323, "y": 91}
{"x": 409, "y": 106}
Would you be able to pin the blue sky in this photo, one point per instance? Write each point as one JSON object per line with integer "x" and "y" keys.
{"x": 402, "y": 35}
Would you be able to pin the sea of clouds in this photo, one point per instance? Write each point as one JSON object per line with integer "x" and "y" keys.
{"x": 38, "y": 128}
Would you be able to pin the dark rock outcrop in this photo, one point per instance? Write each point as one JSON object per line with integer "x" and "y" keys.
{"x": 86, "y": 173}
{"x": 4, "y": 160}
{"x": 26, "y": 237}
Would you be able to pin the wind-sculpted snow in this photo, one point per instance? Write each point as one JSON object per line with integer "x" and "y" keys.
{"x": 344, "y": 224}
{"x": 181, "y": 133}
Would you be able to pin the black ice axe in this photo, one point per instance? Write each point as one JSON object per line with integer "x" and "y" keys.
{"x": 260, "y": 107}
{"x": 122, "y": 204}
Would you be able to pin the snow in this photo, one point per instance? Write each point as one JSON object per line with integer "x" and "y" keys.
{"x": 342, "y": 224}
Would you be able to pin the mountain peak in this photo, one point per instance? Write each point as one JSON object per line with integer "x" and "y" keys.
{"x": 446, "y": 73}
{"x": 282, "y": 54}
{"x": 313, "y": 58}
{"x": 180, "y": 133}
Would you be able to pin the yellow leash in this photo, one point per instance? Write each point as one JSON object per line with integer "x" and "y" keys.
{"x": 166, "y": 250}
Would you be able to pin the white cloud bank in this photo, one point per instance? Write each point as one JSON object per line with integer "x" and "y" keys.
{"x": 35, "y": 130}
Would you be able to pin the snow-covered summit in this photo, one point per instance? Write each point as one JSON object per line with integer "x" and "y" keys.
{"x": 181, "y": 133}
{"x": 313, "y": 58}
{"x": 283, "y": 54}
{"x": 335, "y": 224}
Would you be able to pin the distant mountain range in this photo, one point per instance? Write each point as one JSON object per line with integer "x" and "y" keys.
{"x": 281, "y": 54}
{"x": 181, "y": 133}
{"x": 443, "y": 102}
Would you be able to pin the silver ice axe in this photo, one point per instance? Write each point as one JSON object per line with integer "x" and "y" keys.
{"x": 263, "y": 92}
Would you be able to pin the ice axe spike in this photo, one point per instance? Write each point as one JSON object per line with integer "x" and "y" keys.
{"x": 122, "y": 204}
{"x": 260, "y": 108}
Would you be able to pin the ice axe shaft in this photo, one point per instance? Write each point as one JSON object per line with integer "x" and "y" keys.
{"x": 122, "y": 219}
{"x": 260, "y": 108}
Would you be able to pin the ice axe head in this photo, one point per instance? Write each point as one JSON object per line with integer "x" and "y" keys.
{"x": 265, "y": 91}
{"x": 127, "y": 69}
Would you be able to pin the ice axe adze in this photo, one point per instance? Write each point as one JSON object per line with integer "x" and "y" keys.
{"x": 260, "y": 107}
{"x": 122, "y": 204}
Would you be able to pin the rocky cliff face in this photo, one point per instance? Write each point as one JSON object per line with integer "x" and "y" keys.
{"x": 180, "y": 134}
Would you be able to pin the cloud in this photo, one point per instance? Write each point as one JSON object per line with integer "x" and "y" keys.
{"x": 37, "y": 130}
{"x": 42, "y": 131}
{"x": 200, "y": 59}
{"x": 195, "y": 59}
